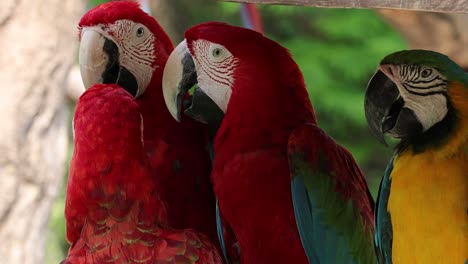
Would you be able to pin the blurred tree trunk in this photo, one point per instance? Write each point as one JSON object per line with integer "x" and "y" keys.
{"x": 165, "y": 13}
{"x": 38, "y": 45}
{"x": 442, "y": 32}
{"x": 176, "y": 16}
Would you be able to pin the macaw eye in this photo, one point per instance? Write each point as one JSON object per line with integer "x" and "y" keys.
{"x": 217, "y": 52}
{"x": 426, "y": 73}
{"x": 140, "y": 32}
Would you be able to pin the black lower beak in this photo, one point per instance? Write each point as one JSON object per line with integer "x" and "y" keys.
{"x": 127, "y": 81}
{"x": 385, "y": 110}
{"x": 198, "y": 106}
{"x": 205, "y": 110}
{"x": 390, "y": 120}
{"x": 116, "y": 74}
{"x": 189, "y": 79}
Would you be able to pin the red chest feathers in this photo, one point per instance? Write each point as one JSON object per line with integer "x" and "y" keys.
{"x": 254, "y": 196}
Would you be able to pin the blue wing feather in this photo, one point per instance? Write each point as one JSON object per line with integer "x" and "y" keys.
{"x": 303, "y": 214}
{"x": 227, "y": 239}
{"x": 383, "y": 224}
{"x": 219, "y": 227}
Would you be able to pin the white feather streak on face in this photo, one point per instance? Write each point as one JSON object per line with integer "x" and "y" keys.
{"x": 428, "y": 108}
{"x": 215, "y": 71}
{"x": 136, "y": 48}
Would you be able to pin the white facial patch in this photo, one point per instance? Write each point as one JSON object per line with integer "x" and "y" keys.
{"x": 136, "y": 50}
{"x": 219, "y": 92}
{"x": 429, "y": 110}
{"x": 215, "y": 71}
{"x": 422, "y": 89}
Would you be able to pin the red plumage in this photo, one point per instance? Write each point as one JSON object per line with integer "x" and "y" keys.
{"x": 171, "y": 146}
{"x": 250, "y": 172}
{"x": 113, "y": 201}
{"x": 267, "y": 103}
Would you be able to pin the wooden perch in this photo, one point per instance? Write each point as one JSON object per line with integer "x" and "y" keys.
{"x": 446, "y": 6}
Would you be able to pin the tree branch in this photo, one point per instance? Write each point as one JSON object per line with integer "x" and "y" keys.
{"x": 446, "y": 6}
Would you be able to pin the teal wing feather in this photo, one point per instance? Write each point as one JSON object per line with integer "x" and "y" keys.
{"x": 383, "y": 224}
{"x": 332, "y": 204}
{"x": 227, "y": 239}
{"x": 219, "y": 228}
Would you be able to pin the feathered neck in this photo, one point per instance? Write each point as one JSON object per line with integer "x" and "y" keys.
{"x": 264, "y": 114}
{"x": 450, "y": 136}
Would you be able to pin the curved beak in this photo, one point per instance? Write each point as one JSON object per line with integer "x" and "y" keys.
{"x": 179, "y": 76}
{"x": 385, "y": 109}
{"x": 382, "y": 104}
{"x": 91, "y": 57}
{"x": 99, "y": 62}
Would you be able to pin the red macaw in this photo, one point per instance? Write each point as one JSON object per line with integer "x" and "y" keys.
{"x": 120, "y": 43}
{"x": 286, "y": 191}
{"x": 112, "y": 195}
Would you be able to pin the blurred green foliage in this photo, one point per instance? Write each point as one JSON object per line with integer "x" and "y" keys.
{"x": 337, "y": 50}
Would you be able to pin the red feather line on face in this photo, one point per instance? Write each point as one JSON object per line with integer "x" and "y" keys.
{"x": 109, "y": 13}
{"x": 221, "y": 71}
{"x": 142, "y": 52}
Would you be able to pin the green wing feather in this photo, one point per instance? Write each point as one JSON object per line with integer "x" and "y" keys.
{"x": 333, "y": 206}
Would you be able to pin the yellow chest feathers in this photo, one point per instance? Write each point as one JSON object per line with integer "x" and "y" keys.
{"x": 428, "y": 205}
{"x": 428, "y": 201}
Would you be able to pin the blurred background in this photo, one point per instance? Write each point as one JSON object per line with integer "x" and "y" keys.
{"x": 337, "y": 49}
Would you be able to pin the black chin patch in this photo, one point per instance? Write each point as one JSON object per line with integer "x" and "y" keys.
{"x": 203, "y": 109}
{"x": 435, "y": 137}
{"x": 127, "y": 81}
{"x": 407, "y": 125}
{"x": 116, "y": 74}
{"x": 110, "y": 74}
{"x": 391, "y": 118}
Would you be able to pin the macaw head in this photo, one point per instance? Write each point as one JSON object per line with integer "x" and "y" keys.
{"x": 121, "y": 44}
{"x": 237, "y": 68}
{"x": 408, "y": 96}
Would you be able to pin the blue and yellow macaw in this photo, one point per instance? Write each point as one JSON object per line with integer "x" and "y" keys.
{"x": 421, "y": 98}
